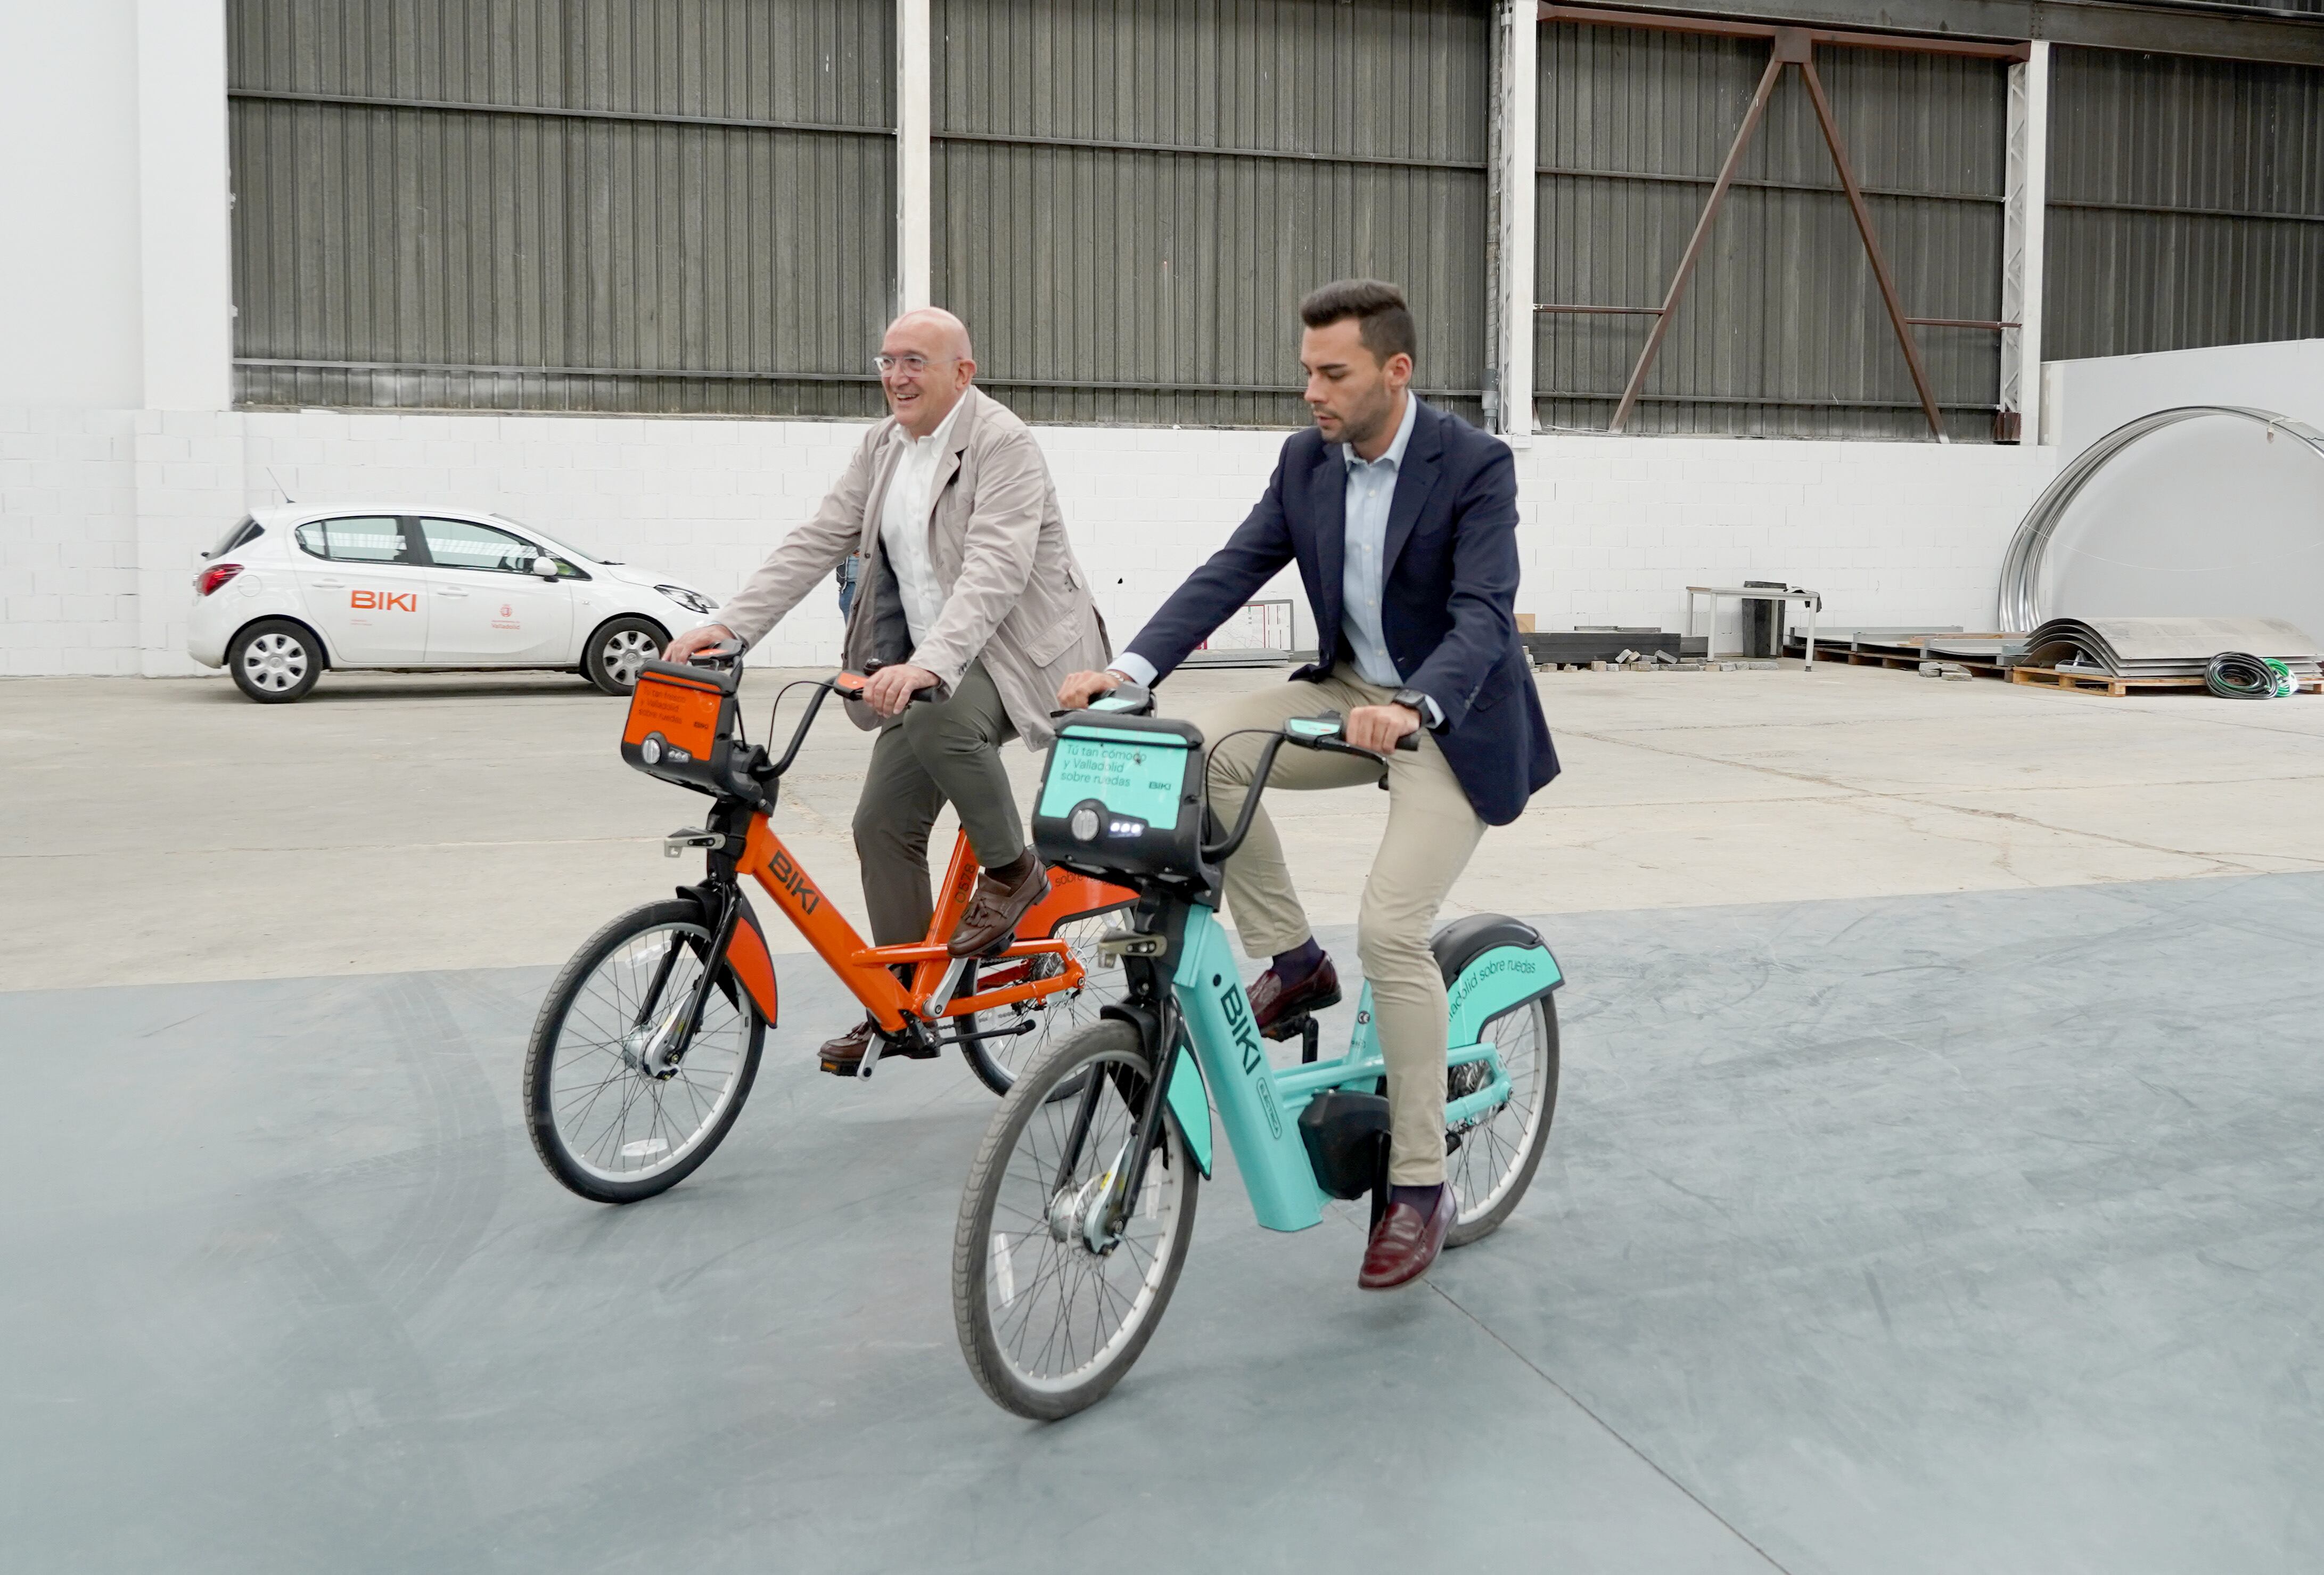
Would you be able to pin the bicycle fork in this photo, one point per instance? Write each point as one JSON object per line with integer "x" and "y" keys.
{"x": 1153, "y": 1009}
{"x": 667, "y": 1032}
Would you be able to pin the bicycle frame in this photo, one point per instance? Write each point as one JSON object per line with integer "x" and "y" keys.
{"x": 867, "y": 970}
{"x": 1259, "y": 1104}
{"x": 741, "y": 842}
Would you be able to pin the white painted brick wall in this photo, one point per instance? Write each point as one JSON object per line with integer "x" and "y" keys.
{"x": 67, "y": 541}
{"x": 102, "y": 512}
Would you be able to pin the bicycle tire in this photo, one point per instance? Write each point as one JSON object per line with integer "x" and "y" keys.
{"x": 600, "y": 1182}
{"x": 1173, "y": 1186}
{"x": 1515, "y": 1174}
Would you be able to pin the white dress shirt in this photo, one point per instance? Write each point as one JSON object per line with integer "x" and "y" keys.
{"x": 1370, "y": 492}
{"x": 904, "y": 524}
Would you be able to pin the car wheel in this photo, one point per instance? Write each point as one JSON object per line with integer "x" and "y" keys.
{"x": 275, "y": 660}
{"x": 619, "y": 651}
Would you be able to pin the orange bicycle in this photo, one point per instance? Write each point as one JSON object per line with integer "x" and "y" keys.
{"x": 649, "y": 1040}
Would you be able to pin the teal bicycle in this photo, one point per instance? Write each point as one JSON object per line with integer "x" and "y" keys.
{"x": 1080, "y": 1206}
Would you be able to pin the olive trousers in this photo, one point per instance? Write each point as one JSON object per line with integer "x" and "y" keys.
{"x": 936, "y": 752}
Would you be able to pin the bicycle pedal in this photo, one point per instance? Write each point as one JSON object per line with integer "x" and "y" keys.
{"x": 1293, "y": 1028}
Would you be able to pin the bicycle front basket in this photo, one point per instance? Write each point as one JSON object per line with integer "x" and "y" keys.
{"x": 681, "y": 724}
{"x": 1122, "y": 797}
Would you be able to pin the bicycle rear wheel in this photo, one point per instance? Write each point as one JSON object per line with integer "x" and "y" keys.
{"x": 1048, "y": 1322}
{"x": 603, "y": 1121}
{"x": 1052, "y": 1018}
{"x": 1498, "y": 1154}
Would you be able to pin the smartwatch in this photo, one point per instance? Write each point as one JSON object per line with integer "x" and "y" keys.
{"x": 1419, "y": 705}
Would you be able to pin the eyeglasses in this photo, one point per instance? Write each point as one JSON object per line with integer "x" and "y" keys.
{"x": 910, "y": 365}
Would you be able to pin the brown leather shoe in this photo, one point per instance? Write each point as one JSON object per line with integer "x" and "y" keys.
{"x": 1276, "y": 1008}
{"x": 1404, "y": 1244}
{"x": 845, "y": 1053}
{"x": 995, "y": 906}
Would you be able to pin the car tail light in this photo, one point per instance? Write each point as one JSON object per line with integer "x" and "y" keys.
{"x": 217, "y": 574}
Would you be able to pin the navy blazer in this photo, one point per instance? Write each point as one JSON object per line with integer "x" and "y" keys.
{"x": 1447, "y": 610}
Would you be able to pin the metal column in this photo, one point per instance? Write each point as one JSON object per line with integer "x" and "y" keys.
{"x": 2026, "y": 199}
{"x": 912, "y": 217}
{"x": 1517, "y": 110}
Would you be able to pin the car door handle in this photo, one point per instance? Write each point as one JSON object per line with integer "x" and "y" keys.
{"x": 447, "y": 591}
{"x": 328, "y": 585}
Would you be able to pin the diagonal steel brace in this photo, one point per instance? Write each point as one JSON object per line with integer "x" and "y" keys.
{"x": 1793, "y": 46}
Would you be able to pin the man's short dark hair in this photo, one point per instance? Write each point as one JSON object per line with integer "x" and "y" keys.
{"x": 1381, "y": 317}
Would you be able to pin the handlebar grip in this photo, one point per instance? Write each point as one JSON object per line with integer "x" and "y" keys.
{"x": 1409, "y": 741}
{"x": 839, "y": 686}
{"x": 1124, "y": 699}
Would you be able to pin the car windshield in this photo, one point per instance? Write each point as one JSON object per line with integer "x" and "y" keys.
{"x": 592, "y": 556}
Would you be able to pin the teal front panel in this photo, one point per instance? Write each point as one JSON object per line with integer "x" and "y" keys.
{"x": 1259, "y": 1127}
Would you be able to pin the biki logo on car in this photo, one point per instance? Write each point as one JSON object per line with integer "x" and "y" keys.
{"x": 385, "y": 600}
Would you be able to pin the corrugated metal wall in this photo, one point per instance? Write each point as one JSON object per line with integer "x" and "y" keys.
{"x": 1130, "y": 196}
{"x": 2186, "y": 204}
{"x": 1782, "y": 330}
{"x": 589, "y": 205}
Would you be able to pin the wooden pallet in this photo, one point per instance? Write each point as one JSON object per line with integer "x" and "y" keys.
{"x": 1874, "y": 658}
{"x": 2099, "y": 684}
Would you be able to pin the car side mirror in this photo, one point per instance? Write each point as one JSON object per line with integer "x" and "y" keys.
{"x": 546, "y": 567}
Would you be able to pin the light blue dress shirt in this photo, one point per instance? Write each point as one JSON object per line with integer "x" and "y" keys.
{"x": 1370, "y": 493}
{"x": 1371, "y": 489}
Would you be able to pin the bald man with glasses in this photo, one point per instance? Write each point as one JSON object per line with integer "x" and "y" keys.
{"x": 969, "y": 589}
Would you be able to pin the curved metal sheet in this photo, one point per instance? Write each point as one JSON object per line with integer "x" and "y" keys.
{"x": 2018, "y": 601}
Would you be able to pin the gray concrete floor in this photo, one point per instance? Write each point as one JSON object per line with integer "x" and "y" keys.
{"x": 1934, "y": 1185}
{"x": 1969, "y": 1232}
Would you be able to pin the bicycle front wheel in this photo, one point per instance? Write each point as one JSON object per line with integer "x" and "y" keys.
{"x": 607, "y": 1121}
{"x": 1051, "y": 1311}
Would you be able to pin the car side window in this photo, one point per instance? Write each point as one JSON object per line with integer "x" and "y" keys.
{"x": 374, "y": 538}
{"x": 464, "y": 544}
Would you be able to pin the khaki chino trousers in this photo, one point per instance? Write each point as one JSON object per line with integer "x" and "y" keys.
{"x": 1432, "y": 830}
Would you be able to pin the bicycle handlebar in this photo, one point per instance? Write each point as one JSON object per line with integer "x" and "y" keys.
{"x": 1124, "y": 699}
{"x": 874, "y": 665}
{"x": 724, "y": 654}
{"x": 1326, "y": 733}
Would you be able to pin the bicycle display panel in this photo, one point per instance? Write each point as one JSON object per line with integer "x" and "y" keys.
{"x": 680, "y": 721}
{"x": 1122, "y": 797}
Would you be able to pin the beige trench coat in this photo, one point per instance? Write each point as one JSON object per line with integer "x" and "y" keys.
{"x": 1014, "y": 593}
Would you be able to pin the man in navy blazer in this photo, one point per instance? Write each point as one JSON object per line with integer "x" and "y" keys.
{"x": 1403, "y": 522}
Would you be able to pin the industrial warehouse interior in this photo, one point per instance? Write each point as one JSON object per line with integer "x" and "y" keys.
{"x": 1881, "y": 1074}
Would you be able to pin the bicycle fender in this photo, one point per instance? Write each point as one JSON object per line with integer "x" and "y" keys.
{"x": 1190, "y": 1107}
{"x": 1189, "y": 1098}
{"x": 746, "y": 952}
{"x": 1494, "y": 981}
{"x": 1071, "y": 896}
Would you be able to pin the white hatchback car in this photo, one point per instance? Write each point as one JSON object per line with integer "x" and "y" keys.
{"x": 290, "y": 591}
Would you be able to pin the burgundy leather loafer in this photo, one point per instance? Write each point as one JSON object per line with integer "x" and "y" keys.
{"x": 1406, "y": 1242}
{"x": 1272, "y": 1005}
